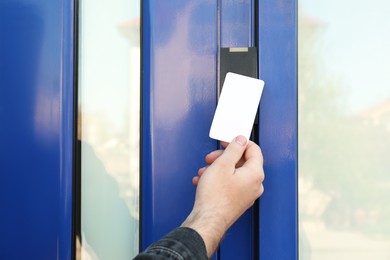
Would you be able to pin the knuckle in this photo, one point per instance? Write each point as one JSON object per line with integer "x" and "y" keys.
{"x": 261, "y": 190}
{"x": 262, "y": 176}
{"x": 259, "y": 178}
{"x": 259, "y": 181}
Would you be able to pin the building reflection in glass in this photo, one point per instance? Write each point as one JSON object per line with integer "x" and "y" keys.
{"x": 109, "y": 129}
{"x": 344, "y": 130}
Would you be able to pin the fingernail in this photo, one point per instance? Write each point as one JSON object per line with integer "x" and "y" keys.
{"x": 241, "y": 140}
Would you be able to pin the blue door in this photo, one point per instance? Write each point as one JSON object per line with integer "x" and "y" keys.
{"x": 179, "y": 76}
{"x": 181, "y": 41}
{"x": 36, "y": 129}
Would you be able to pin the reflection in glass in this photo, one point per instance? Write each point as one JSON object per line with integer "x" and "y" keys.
{"x": 344, "y": 129}
{"x": 109, "y": 110}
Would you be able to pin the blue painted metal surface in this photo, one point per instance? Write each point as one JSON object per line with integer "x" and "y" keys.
{"x": 278, "y": 129}
{"x": 237, "y": 23}
{"x": 179, "y": 98}
{"x": 36, "y": 115}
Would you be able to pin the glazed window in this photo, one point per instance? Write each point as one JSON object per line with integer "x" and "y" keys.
{"x": 109, "y": 129}
{"x": 344, "y": 129}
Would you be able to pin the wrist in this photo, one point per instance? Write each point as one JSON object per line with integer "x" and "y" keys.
{"x": 209, "y": 226}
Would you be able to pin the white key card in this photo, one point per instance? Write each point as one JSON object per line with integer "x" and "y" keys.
{"x": 237, "y": 107}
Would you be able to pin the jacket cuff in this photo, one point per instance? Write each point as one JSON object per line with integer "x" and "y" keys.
{"x": 182, "y": 242}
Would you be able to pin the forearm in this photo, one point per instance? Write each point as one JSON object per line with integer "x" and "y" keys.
{"x": 209, "y": 226}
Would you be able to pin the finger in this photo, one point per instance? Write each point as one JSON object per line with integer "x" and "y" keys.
{"x": 195, "y": 180}
{"x": 224, "y": 144}
{"x": 234, "y": 151}
{"x": 211, "y": 157}
{"x": 202, "y": 170}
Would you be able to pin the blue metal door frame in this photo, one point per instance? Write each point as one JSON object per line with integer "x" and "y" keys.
{"x": 278, "y": 129}
{"x": 37, "y": 126}
{"x": 178, "y": 85}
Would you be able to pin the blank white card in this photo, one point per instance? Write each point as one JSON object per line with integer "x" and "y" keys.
{"x": 237, "y": 107}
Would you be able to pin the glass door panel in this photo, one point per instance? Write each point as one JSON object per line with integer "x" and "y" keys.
{"x": 344, "y": 129}
{"x": 109, "y": 111}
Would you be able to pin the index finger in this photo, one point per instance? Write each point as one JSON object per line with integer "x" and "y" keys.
{"x": 224, "y": 144}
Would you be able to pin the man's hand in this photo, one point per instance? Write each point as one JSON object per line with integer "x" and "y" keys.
{"x": 226, "y": 188}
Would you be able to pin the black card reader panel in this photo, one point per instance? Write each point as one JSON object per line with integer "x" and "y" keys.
{"x": 238, "y": 60}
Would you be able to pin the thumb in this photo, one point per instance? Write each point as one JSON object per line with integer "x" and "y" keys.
{"x": 234, "y": 150}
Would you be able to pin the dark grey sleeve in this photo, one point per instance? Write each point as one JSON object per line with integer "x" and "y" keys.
{"x": 182, "y": 243}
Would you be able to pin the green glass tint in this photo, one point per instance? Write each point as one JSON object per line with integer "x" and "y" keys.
{"x": 109, "y": 116}
{"x": 344, "y": 129}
